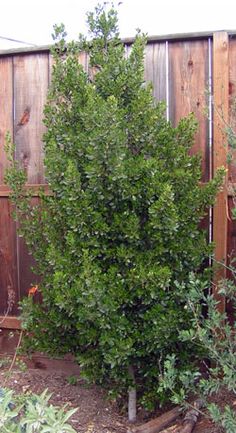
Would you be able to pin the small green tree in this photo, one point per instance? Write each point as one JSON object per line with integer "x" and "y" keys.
{"x": 120, "y": 231}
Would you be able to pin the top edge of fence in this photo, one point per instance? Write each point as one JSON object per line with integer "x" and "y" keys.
{"x": 127, "y": 41}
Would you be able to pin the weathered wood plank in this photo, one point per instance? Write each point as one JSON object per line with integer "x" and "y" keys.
{"x": 10, "y": 322}
{"x": 155, "y": 69}
{"x": 159, "y": 72}
{"x": 6, "y": 108}
{"x": 30, "y": 90}
{"x": 232, "y": 102}
{"x": 188, "y": 81}
{"x": 148, "y": 63}
{"x": 35, "y": 189}
{"x": 31, "y": 79}
{"x": 221, "y": 110}
{"x": 25, "y": 263}
{"x": 83, "y": 60}
{"x": 8, "y": 260}
{"x": 231, "y": 230}
{"x": 9, "y": 289}
{"x": 231, "y": 248}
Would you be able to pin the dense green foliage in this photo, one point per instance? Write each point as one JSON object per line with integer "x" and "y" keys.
{"x": 212, "y": 330}
{"x": 120, "y": 232}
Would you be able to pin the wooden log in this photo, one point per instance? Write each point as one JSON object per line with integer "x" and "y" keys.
{"x": 172, "y": 429}
{"x": 191, "y": 417}
{"x": 158, "y": 424}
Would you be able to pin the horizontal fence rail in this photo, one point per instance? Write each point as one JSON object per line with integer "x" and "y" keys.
{"x": 191, "y": 73}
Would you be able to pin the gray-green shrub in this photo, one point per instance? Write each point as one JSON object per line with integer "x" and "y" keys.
{"x": 32, "y": 414}
{"x": 212, "y": 332}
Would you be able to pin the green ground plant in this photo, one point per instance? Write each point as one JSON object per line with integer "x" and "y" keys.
{"x": 72, "y": 380}
{"x": 119, "y": 233}
{"x": 32, "y": 414}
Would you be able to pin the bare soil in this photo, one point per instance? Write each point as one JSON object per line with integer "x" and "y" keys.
{"x": 96, "y": 413}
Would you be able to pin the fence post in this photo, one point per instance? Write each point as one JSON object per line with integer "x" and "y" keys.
{"x": 220, "y": 118}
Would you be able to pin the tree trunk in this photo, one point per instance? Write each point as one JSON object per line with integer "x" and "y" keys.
{"x": 132, "y": 398}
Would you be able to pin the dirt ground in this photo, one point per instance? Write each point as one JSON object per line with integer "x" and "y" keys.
{"x": 96, "y": 414}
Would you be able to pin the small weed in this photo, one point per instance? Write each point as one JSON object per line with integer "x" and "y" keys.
{"x": 72, "y": 380}
{"x": 5, "y": 362}
{"x": 21, "y": 365}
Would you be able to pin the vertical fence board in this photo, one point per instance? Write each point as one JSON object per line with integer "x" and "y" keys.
{"x": 31, "y": 75}
{"x": 6, "y": 108}
{"x": 231, "y": 233}
{"x": 26, "y": 261}
{"x": 231, "y": 248}
{"x": 8, "y": 260}
{"x": 188, "y": 81}
{"x": 30, "y": 90}
{"x": 221, "y": 110}
{"x": 232, "y": 101}
{"x": 159, "y": 71}
{"x": 148, "y": 63}
{"x": 155, "y": 69}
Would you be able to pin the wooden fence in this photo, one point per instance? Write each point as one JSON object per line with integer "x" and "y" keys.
{"x": 191, "y": 73}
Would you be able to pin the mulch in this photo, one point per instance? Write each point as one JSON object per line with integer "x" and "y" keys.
{"x": 96, "y": 413}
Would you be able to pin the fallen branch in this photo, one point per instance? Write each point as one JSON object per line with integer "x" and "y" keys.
{"x": 157, "y": 424}
{"x": 191, "y": 417}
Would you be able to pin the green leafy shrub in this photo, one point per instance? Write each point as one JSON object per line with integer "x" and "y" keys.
{"x": 31, "y": 414}
{"x": 217, "y": 337}
{"x": 120, "y": 231}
